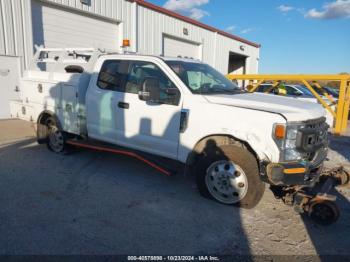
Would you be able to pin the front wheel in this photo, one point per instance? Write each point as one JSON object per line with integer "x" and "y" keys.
{"x": 230, "y": 175}
{"x": 56, "y": 140}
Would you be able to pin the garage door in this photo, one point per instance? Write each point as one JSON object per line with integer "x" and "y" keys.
{"x": 174, "y": 47}
{"x": 56, "y": 27}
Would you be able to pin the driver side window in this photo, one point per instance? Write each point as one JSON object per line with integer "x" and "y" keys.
{"x": 139, "y": 71}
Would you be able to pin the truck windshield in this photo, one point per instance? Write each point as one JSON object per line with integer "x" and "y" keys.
{"x": 202, "y": 79}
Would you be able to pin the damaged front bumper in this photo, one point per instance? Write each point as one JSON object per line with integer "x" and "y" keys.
{"x": 303, "y": 173}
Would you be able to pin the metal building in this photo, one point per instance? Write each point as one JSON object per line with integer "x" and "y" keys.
{"x": 104, "y": 24}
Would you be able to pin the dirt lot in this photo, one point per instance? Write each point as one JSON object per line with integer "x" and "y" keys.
{"x": 94, "y": 203}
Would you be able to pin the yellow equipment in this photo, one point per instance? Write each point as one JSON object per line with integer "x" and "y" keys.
{"x": 310, "y": 81}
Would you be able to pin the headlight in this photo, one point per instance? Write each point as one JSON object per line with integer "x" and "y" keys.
{"x": 291, "y": 136}
{"x": 292, "y": 132}
{"x": 287, "y": 141}
{"x": 290, "y": 144}
{"x": 292, "y": 154}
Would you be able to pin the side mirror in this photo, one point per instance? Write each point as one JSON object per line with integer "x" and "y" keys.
{"x": 150, "y": 90}
{"x": 172, "y": 91}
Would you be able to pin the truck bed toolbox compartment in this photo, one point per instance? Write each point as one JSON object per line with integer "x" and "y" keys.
{"x": 41, "y": 92}
{"x": 22, "y": 111}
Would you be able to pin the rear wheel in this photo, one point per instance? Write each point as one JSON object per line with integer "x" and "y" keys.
{"x": 230, "y": 175}
{"x": 56, "y": 140}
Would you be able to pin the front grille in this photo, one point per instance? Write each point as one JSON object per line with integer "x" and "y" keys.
{"x": 316, "y": 123}
{"x": 312, "y": 136}
{"x": 310, "y": 156}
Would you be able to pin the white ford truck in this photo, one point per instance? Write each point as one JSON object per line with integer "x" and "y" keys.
{"x": 180, "y": 109}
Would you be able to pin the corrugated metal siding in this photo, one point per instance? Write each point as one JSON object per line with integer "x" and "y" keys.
{"x": 8, "y": 27}
{"x": 118, "y": 10}
{"x": 216, "y": 48}
{"x": 226, "y": 45}
{"x": 146, "y": 37}
{"x": 74, "y": 29}
{"x": 2, "y": 31}
{"x": 112, "y": 9}
{"x": 175, "y": 48}
{"x": 152, "y": 25}
{"x": 14, "y": 40}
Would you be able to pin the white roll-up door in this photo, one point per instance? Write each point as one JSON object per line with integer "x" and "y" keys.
{"x": 57, "y": 27}
{"x": 174, "y": 47}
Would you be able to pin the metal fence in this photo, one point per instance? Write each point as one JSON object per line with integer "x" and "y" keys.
{"x": 341, "y": 110}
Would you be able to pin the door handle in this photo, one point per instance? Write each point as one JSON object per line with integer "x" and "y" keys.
{"x": 40, "y": 88}
{"x": 123, "y": 105}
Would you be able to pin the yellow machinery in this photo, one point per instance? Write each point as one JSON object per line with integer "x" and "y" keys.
{"x": 341, "y": 112}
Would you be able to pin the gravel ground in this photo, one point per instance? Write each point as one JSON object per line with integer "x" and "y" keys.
{"x": 95, "y": 203}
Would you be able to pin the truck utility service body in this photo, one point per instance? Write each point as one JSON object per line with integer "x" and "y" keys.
{"x": 175, "y": 108}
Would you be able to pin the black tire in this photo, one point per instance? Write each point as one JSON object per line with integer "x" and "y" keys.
{"x": 324, "y": 212}
{"x": 242, "y": 158}
{"x": 56, "y": 138}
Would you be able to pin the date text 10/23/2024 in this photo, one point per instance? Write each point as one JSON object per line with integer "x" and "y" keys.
{"x": 173, "y": 258}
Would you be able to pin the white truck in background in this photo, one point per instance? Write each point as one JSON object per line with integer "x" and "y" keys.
{"x": 302, "y": 93}
{"x": 181, "y": 109}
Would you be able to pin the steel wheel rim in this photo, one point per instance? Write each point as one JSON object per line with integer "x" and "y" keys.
{"x": 226, "y": 182}
{"x": 56, "y": 139}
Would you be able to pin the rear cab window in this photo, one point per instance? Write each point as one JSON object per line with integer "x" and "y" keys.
{"x": 112, "y": 75}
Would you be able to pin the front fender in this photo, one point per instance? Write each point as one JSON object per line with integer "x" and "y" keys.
{"x": 251, "y": 127}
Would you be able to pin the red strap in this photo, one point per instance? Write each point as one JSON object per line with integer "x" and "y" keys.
{"x": 121, "y": 152}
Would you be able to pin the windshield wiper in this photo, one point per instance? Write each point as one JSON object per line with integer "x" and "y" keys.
{"x": 226, "y": 91}
{"x": 213, "y": 91}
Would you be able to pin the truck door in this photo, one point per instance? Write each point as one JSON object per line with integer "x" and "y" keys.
{"x": 101, "y": 100}
{"x": 150, "y": 127}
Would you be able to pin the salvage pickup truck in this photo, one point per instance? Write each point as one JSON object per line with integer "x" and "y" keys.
{"x": 180, "y": 109}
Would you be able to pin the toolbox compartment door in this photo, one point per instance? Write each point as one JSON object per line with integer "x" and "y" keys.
{"x": 22, "y": 111}
{"x": 40, "y": 92}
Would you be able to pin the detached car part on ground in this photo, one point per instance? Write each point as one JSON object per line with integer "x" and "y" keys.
{"x": 184, "y": 111}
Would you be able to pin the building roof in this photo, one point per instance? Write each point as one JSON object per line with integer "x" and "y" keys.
{"x": 192, "y": 21}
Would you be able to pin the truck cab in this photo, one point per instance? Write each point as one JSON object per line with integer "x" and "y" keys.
{"x": 183, "y": 110}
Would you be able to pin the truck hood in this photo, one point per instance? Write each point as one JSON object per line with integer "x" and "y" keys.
{"x": 292, "y": 109}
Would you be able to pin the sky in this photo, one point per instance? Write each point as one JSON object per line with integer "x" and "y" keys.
{"x": 297, "y": 36}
